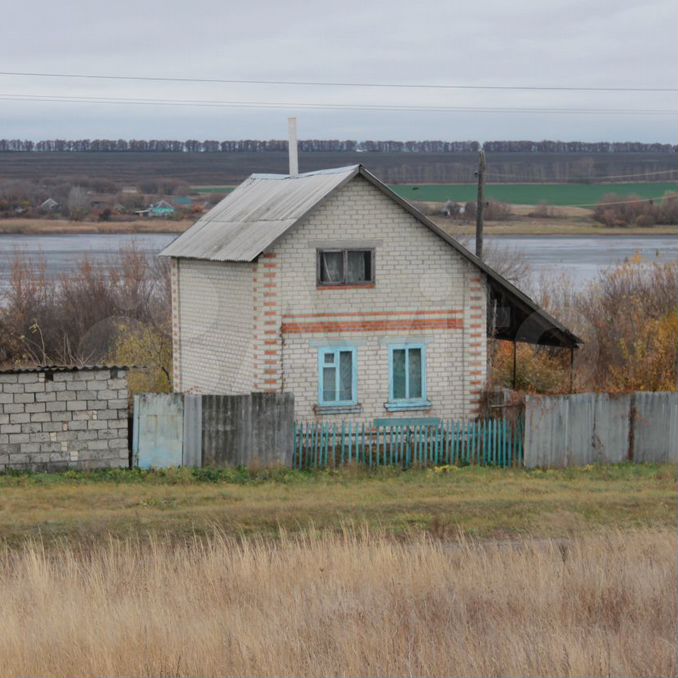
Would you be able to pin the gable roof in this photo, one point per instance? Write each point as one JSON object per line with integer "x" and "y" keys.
{"x": 265, "y": 206}
{"x": 256, "y": 214}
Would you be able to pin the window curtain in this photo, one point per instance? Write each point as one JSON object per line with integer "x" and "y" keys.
{"x": 357, "y": 267}
{"x": 332, "y": 267}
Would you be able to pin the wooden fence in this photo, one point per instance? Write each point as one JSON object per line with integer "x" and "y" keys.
{"x": 489, "y": 442}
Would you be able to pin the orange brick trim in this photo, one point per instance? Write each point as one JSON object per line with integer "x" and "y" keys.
{"x": 373, "y": 326}
{"x": 269, "y": 255}
{"x": 371, "y": 314}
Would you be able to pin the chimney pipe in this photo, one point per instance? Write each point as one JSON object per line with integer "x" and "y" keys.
{"x": 292, "y": 146}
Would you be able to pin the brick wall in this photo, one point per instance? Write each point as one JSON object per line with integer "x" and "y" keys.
{"x": 244, "y": 327}
{"x": 425, "y": 292}
{"x": 213, "y": 327}
{"x": 51, "y": 420}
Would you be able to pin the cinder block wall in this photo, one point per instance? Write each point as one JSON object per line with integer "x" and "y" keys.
{"x": 53, "y": 420}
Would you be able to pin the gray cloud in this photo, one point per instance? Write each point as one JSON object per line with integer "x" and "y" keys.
{"x": 609, "y": 43}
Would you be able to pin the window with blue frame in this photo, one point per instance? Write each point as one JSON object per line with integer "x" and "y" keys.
{"x": 338, "y": 376}
{"x": 407, "y": 376}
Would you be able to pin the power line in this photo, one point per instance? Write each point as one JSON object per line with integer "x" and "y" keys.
{"x": 330, "y": 106}
{"x": 316, "y": 83}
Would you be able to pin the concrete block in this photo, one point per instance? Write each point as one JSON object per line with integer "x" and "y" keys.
{"x": 97, "y": 385}
{"x": 13, "y": 408}
{"x": 64, "y": 436}
{"x": 61, "y": 416}
{"x": 6, "y": 398}
{"x": 87, "y": 435}
{"x": 21, "y": 418}
{"x": 82, "y": 415}
{"x": 118, "y": 404}
{"x": 9, "y": 378}
{"x": 11, "y": 428}
{"x": 39, "y": 437}
{"x": 55, "y": 386}
{"x": 24, "y": 398}
{"x": 32, "y": 408}
{"x": 28, "y": 378}
{"x": 31, "y": 428}
{"x": 99, "y": 444}
{"x": 97, "y": 424}
{"x": 78, "y": 386}
{"x": 18, "y": 438}
{"x": 73, "y": 405}
{"x": 66, "y": 395}
{"x": 118, "y": 444}
{"x": 55, "y": 406}
{"x": 97, "y": 404}
{"x": 41, "y": 417}
{"x": 34, "y": 388}
{"x": 45, "y": 397}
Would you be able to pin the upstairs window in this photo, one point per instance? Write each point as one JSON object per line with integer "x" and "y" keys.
{"x": 345, "y": 267}
{"x": 337, "y": 376}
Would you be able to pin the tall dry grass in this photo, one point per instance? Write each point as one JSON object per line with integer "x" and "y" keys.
{"x": 343, "y": 605}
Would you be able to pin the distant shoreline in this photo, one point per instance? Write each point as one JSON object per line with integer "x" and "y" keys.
{"x": 517, "y": 227}
{"x": 531, "y": 227}
{"x": 66, "y": 227}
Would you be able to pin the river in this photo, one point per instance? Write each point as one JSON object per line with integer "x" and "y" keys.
{"x": 580, "y": 257}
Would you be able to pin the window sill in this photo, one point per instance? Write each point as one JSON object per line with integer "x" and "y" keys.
{"x": 338, "y": 409}
{"x": 355, "y": 286}
{"x": 406, "y": 406}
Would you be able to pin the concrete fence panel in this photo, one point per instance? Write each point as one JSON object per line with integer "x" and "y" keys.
{"x": 192, "y": 442}
{"x": 246, "y": 430}
{"x": 588, "y": 428}
{"x": 611, "y": 424}
{"x": 655, "y": 430}
{"x": 158, "y": 430}
{"x": 255, "y": 429}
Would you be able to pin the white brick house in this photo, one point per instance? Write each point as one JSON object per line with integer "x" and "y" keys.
{"x": 330, "y": 286}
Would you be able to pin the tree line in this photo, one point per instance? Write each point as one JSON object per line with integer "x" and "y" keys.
{"x": 324, "y": 145}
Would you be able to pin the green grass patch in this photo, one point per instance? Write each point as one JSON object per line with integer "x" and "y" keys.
{"x": 487, "y": 502}
{"x": 533, "y": 194}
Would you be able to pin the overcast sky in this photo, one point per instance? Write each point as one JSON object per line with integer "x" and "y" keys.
{"x": 579, "y": 43}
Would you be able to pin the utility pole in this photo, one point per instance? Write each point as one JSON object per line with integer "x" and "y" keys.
{"x": 480, "y": 204}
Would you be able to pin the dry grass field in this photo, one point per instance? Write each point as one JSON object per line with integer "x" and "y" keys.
{"x": 453, "y": 571}
{"x": 349, "y": 604}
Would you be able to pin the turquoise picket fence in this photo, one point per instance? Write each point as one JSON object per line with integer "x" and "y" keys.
{"x": 486, "y": 442}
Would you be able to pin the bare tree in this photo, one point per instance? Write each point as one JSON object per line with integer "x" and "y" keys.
{"x": 78, "y": 203}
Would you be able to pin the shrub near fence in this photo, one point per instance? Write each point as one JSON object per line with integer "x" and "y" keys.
{"x": 488, "y": 442}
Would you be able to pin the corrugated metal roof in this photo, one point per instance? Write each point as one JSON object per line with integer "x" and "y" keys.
{"x": 61, "y": 368}
{"x": 256, "y": 214}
